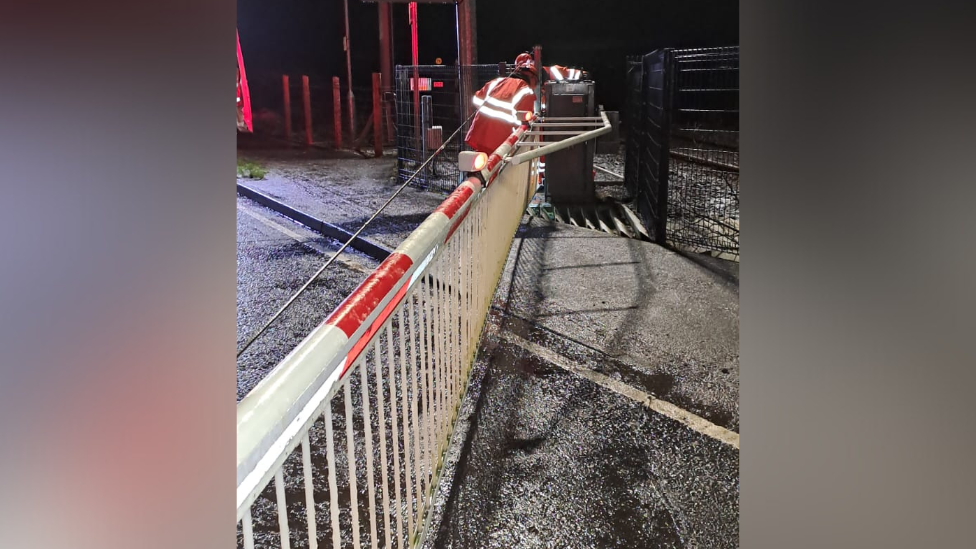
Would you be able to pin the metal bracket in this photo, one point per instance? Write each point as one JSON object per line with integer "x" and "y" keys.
{"x": 577, "y": 137}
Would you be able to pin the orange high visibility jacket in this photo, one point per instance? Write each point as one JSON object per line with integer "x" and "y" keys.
{"x": 498, "y": 103}
{"x": 560, "y": 73}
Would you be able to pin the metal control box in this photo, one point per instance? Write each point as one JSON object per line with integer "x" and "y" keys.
{"x": 569, "y": 172}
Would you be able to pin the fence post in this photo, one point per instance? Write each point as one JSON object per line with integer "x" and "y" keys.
{"x": 377, "y": 116}
{"x": 664, "y": 161}
{"x": 307, "y": 105}
{"x": 537, "y": 55}
{"x": 425, "y": 124}
{"x": 388, "y": 99}
{"x": 415, "y": 59}
{"x": 337, "y": 111}
{"x": 286, "y": 98}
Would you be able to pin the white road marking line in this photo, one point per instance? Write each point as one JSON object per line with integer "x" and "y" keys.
{"x": 302, "y": 240}
{"x": 662, "y": 407}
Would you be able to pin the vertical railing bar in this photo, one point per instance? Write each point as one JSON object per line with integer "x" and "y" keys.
{"x": 394, "y": 411}
{"x": 476, "y": 256}
{"x": 453, "y": 330}
{"x": 313, "y": 541}
{"x": 476, "y": 276}
{"x": 445, "y": 338}
{"x": 422, "y": 386}
{"x": 368, "y": 440}
{"x": 248, "y": 530}
{"x": 456, "y": 324}
{"x": 466, "y": 300}
{"x": 462, "y": 302}
{"x": 437, "y": 377}
{"x": 450, "y": 316}
{"x": 412, "y": 442}
{"x": 351, "y": 458}
{"x": 423, "y": 403}
{"x": 282, "y": 509}
{"x": 381, "y": 413}
{"x": 465, "y": 293}
{"x": 472, "y": 284}
{"x": 333, "y": 485}
{"x": 417, "y": 361}
{"x": 428, "y": 387}
{"x": 444, "y": 343}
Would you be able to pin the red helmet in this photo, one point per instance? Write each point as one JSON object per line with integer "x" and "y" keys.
{"x": 522, "y": 58}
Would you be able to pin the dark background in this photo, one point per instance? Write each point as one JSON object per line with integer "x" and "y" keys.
{"x": 305, "y": 36}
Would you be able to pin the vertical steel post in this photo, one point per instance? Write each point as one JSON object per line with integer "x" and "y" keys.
{"x": 415, "y": 58}
{"x": 467, "y": 51}
{"x": 286, "y": 103}
{"x": 664, "y": 158}
{"x": 539, "y": 71}
{"x": 467, "y": 32}
{"x": 426, "y": 119}
{"x": 377, "y": 116}
{"x": 352, "y": 100}
{"x": 337, "y": 111}
{"x": 386, "y": 61}
{"x": 307, "y": 107}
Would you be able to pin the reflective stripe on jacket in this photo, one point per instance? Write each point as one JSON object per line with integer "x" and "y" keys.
{"x": 560, "y": 73}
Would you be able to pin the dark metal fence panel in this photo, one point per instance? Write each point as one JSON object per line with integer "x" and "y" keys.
{"x": 652, "y": 164}
{"x": 684, "y": 132}
{"x": 633, "y": 117}
{"x": 703, "y": 208}
{"x": 425, "y": 119}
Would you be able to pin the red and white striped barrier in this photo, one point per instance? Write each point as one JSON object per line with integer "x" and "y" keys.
{"x": 429, "y": 297}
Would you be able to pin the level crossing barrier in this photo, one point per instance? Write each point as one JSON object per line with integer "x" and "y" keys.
{"x": 343, "y": 442}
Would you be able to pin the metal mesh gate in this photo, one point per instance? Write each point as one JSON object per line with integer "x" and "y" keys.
{"x": 431, "y": 102}
{"x": 683, "y": 147}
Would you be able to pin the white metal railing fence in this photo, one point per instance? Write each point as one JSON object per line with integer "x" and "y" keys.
{"x": 371, "y": 396}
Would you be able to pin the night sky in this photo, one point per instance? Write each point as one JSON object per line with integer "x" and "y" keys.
{"x": 305, "y": 36}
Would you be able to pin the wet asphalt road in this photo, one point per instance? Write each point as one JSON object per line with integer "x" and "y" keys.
{"x": 671, "y": 322}
{"x": 555, "y": 460}
{"x": 546, "y": 458}
{"x": 271, "y": 266}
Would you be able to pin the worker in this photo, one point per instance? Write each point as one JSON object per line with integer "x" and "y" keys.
{"x": 499, "y": 102}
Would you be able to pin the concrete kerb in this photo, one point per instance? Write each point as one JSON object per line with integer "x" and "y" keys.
{"x": 372, "y": 249}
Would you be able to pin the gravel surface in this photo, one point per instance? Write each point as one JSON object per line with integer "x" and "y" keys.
{"x": 271, "y": 266}
{"x": 345, "y": 189}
